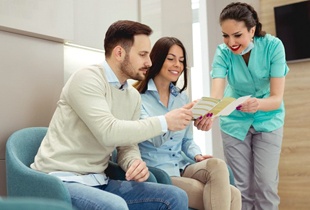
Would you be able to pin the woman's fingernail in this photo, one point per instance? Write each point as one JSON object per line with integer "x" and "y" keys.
{"x": 208, "y": 115}
{"x": 200, "y": 117}
{"x": 211, "y": 114}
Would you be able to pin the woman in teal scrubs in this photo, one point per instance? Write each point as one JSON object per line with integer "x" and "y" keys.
{"x": 251, "y": 62}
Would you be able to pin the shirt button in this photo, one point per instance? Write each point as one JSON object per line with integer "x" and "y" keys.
{"x": 170, "y": 149}
{"x": 176, "y": 164}
{"x": 173, "y": 155}
{"x": 171, "y": 138}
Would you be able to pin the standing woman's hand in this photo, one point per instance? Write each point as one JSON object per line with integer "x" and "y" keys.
{"x": 251, "y": 105}
{"x": 270, "y": 103}
{"x": 204, "y": 123}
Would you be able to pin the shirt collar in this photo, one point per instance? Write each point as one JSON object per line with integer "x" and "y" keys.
{"x": 111, "y": 77}
{"x": 151, "y": 86}
{"x": 173, "y": 89}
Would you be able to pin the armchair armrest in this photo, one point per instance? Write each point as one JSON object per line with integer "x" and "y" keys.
{"x": 42, "y": 185}
{"x": 34, "y": 203}
{"x": 161, "y": 176}
{"x": 114, "y": 171}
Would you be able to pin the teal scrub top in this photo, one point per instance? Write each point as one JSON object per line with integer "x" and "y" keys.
{"x": 267, "y": 60}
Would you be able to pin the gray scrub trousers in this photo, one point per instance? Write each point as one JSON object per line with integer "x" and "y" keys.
{"x": 254, "y": 163}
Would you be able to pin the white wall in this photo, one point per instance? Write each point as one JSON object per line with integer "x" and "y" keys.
{"x": 50, "y": 19}
{"x": 169, "y": 18}
{"x": 93, "y": 17}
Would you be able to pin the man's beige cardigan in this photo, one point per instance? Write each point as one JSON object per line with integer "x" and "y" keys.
{"x": 92, "y": 118}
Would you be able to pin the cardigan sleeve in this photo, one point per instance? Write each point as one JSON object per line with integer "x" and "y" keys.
{"x": 127, "y": 154}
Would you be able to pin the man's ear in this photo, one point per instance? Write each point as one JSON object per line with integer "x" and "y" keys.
{"x": 119, "y": 53}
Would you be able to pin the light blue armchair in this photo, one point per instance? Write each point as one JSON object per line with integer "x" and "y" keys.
{"x": 22, "y": 181}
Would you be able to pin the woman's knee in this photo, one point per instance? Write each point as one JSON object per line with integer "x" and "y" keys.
{"x": 216, "y": 165}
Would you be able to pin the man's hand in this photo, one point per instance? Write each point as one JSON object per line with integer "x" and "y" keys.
{"x": 199, "y": 158}
{"x": 204, "y": 123}
{"x": 138, "y": 171}
{"x": 178, "y": 119}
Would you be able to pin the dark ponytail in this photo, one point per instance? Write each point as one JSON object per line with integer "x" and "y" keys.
{"x": 243, "y": 12}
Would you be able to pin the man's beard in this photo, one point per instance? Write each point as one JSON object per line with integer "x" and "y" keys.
{"x": 127, "y": 69}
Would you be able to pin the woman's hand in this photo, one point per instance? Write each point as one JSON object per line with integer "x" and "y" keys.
{"x": 251, "y": 105}
{"x": 204, "y": 123}
{"x": 199, "y": 157}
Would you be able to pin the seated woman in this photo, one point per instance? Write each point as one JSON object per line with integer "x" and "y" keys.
{"x": 206, "y": 182}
